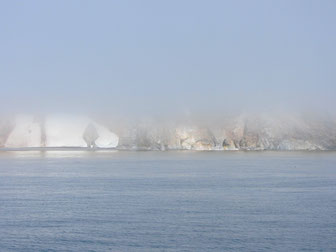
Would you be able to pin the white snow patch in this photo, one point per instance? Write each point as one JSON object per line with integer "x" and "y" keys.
{"x": 65, "y": 131}
{"x": 27, "y": 133}
{"x": 106, "y": 139}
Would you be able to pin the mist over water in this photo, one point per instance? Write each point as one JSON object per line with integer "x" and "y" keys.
{"x": 229, "y": 73}
{"x": 152, "y": 125}
{"x": 153, "y": 59}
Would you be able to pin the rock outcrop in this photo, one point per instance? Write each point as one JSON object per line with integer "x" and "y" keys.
{"x": 90, "y": 135}
{"x": 258, "y": 132}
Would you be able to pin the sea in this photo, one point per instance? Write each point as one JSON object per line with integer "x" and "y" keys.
{"x": 75, "y": 200}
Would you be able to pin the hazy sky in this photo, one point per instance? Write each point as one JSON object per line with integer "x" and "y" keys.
{"x": 160, "y": 56}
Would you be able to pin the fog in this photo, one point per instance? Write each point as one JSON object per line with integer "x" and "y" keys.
{"x": 138, "y": 59}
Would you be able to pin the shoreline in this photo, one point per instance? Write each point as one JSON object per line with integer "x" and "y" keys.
{"x": 42, "y": 149}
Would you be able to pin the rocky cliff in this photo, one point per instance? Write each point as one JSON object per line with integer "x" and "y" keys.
{"x": 244, "y": 132}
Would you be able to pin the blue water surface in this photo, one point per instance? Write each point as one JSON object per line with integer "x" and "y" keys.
{"x": 167, "y": 201}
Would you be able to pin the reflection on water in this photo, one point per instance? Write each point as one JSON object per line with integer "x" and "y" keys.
{"x": 54, "y": 153}
{"x": 111, "y": 153}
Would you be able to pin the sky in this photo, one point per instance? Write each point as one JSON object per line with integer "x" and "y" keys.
{"x": 156, "y": 57}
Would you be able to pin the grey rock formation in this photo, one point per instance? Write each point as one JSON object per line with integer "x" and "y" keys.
{"x": 90, "y": 135}
{"x": 244, "y": 132}
{"x": 257, "y": 132}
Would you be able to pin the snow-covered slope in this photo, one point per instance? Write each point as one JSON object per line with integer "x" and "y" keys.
{"x": 58, "y": 131}
{"x": 26, "y": 133}
{"x": 69, "y": 131}
{"x": 106, "y": 138}
{"x": 65, "y": 131}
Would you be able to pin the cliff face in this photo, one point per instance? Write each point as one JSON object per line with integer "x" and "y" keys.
{"x": 261, "y": 132}
{"x": 237, "y": 133}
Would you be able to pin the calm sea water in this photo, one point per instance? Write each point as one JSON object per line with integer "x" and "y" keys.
{"x": 167, "y": 201}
